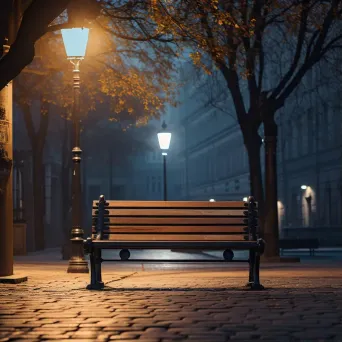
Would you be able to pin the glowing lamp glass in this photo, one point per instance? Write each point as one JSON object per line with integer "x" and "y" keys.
{"x": 75, "y": 41}
{"x": 303, "y": 187}
{"x": 164, "y": 140}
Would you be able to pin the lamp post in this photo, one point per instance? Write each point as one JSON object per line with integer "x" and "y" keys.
{"x": 75, "y": 42}
{"x": 164, "y": 139}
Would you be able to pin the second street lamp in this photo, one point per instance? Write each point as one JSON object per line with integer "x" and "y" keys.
{"x": 75, "y": 42}
{"x": 164, "y": 139}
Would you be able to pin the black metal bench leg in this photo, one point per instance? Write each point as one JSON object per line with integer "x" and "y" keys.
{"x": 95, "y": 266}
{"x": 92, "y": 271}
{"x": 98, "y": 262}
{"x": 251, "y": 268}
{"x": 256, "y": 284}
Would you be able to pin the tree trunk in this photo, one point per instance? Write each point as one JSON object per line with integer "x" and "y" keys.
{"x": 38, "y": 202}
{"x": 37, "y": 140}
{"x": 252, "y": 142}
{"x": 271, "y": 230}
{"x": 285, "y": 183}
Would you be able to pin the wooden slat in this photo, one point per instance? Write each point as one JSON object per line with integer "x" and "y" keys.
{"x": 173, "y": 229}
{"x": 173, "y": 204}
{"x": 174, "y": 237}
{"x": 111, "y": 221}
{"x": 172, "y": 212}
{"x": 173, "y": 220}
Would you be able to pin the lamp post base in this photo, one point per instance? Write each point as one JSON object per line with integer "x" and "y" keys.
{"x": 78, "y": 265}
{"x": 13, "y": 279}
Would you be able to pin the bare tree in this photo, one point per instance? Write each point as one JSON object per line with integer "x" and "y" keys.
{"x": 241, "y": 39}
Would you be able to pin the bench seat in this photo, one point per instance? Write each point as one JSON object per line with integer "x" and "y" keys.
{"x": 174, "y": 225}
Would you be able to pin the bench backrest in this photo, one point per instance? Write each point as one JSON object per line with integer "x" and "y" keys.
{"x": 174, "y": 220}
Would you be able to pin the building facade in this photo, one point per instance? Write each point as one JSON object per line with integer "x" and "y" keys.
{"x": 213, "y": 163}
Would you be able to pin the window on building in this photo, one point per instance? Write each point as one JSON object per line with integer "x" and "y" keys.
{"x": 153, "y": 184}
{"x": 237, "y": 185}
{"x": 305, "y": 134}
{"x": 323, "y": 128}
{"x": 147, "y": 184}
{"x": 327, "y": 204}
{"x": 339, "y": 203}
{"x": 214, "y": 166}
{"x": 290, "y": 137}
{"x": 226, "y": 187}
{"x": 208, "y": 168}
{"x": 337, "y": 125}
{"x": 330, "y": 125}
{"x": 310, "y": 131}
{"x": 295, "y": 140}
{"x": 93, "y": 192}
{"x": 296, "y": 210}
{"x": 245, "y": 158}
{"x": 118, "y": 192}
{"x": 222, "y": 159}
{"x": 336, "y": 207}
{"x": 289, "y": 140}
{"x": 159, "y": 185}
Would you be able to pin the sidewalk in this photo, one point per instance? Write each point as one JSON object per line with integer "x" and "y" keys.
{"x": 303, "y": 302}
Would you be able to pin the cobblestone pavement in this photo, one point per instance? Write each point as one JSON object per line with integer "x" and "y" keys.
{"x": 302, "y": 302}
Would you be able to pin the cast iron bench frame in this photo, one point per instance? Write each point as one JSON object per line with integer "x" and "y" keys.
{"x": 238, "y": 220}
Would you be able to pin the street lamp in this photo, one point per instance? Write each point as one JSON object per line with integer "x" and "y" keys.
{"x": 164, "y": 139}
{"x": 75, "y": 42}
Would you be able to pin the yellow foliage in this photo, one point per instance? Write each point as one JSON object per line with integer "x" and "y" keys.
{"x": 134, "y": 78}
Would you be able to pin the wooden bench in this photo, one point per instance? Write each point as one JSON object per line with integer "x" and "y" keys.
{"x": 310, "y": 244}
{"x": 128, "y": 225}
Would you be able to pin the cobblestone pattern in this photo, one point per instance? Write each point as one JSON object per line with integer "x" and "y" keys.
{"x": 299, "y": 305}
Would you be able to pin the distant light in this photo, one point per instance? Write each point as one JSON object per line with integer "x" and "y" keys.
{"x": 212, "y": 200}
{"x": 303, "y": 187}
{"x": 164, "y": 138}
{"x": 75, "y": 41}
{"x": 164, "y": 154}
{"x": 245, "y": 199}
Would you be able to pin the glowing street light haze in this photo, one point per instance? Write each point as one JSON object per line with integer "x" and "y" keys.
{"x": 164, "y": 139}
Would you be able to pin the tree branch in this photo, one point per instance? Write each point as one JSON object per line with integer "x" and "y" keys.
{"x": 300, "y": 40}
{"x": 6, "y": 8}
{"x": 312, "y": 59}
{"x": 34, "y": 24}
